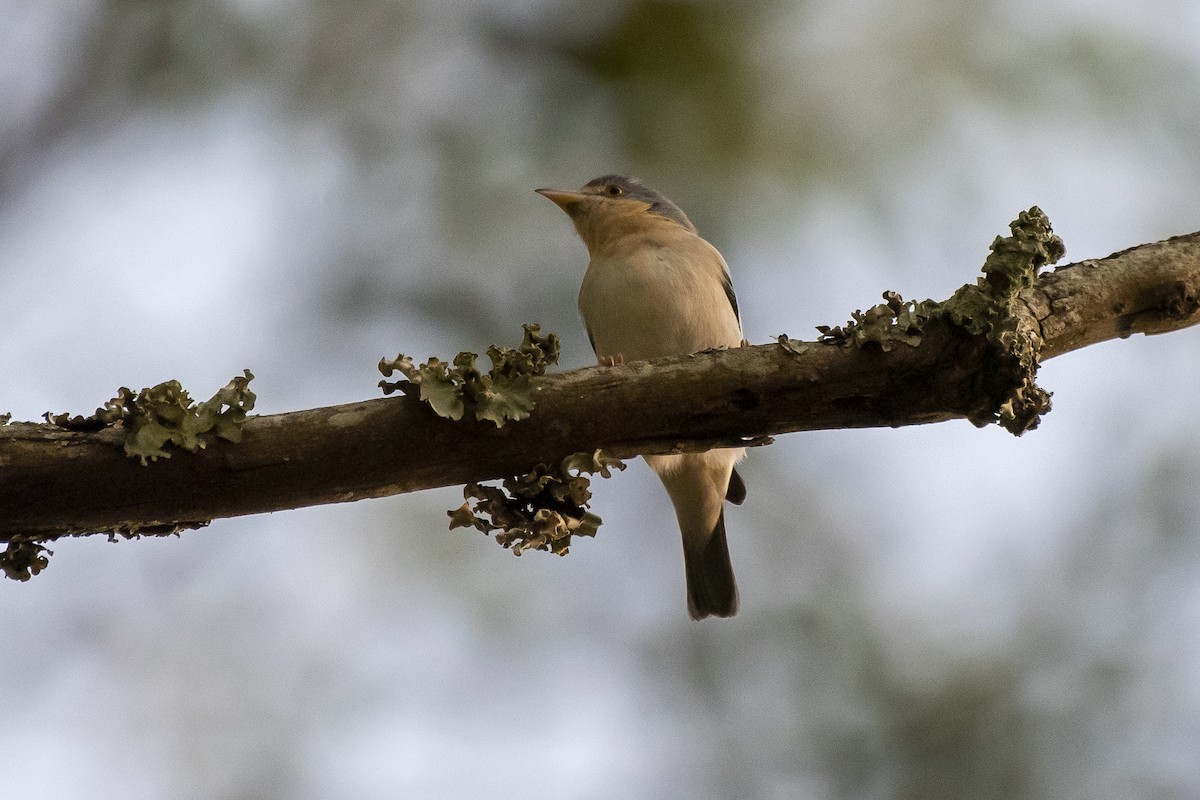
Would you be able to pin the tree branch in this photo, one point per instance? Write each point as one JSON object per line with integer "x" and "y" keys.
{"x": 55, "y": 482}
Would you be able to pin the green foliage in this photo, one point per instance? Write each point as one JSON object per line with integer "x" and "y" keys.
{"x": 987, "y": 308}
{"x": 702, "y": 94}
{"x": 504, "y": 393}
{"x": 165, "y": 413}
{"x": 540, "y": 510}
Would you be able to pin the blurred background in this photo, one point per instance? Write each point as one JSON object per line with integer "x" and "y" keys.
{"x": 300, "y": 187}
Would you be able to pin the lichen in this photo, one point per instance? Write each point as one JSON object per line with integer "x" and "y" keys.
{"x": 137, "y": 530}
{"x": 886, "y": 325}
{"x": 22, "y": 559}
{"x": 989, "y": 308}
{"x": 540, "y": 510}
{"x": 165, "y": 413}
{"x": 506, "y": 392}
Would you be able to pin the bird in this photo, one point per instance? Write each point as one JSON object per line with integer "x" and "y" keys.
{"x": 653, "y": 287}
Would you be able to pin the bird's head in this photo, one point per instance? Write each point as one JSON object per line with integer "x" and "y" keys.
{"x": 613, "y": 206}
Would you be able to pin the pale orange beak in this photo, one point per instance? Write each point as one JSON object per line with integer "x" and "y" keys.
{"x": 564, "y": 199}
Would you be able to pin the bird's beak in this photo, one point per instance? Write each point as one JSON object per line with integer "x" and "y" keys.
{"x": 566, "y": 200}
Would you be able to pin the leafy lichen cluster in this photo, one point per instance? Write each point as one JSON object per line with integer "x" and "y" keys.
{"x": 23, "y": 559}
{"x": 166, "y": 413}
{"x": 26, "y": 556}
{"x": 505, "y": 392}
{"x": 1015, "y": 260}
{"x": 892, "y": 322}
{"x": 151, "y": 419}
{"x": 988, "y": 308}
{"x": 541, "y": 510}
{"x": 992, "y": 308}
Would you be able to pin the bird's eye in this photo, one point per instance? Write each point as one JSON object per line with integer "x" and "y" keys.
{"x": 614, "y": 190}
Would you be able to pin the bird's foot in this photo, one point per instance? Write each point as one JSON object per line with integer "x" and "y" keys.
{"x": 612, "y": 361}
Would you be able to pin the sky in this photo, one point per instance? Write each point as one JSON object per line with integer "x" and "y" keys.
{"x": 299, "y": 188}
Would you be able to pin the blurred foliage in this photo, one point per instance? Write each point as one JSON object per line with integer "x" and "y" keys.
{"x": 679, "y": 87}
{"x": 1075, "y": 696}
{"x": 678, "y": 78}
{"x": 426, "y": 124}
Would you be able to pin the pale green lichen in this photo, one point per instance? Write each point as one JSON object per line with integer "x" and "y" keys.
{"x": 506, "y": 392}
{"x": 165, "y": 413}
{"x": 992, "y": 308}
{"x": 26, "y": 556}
{"x": 988, "y": 308}
{"x": 890, "y": 323}
{"x": 540, "y": 510}
{"x": 1015, "y": 260}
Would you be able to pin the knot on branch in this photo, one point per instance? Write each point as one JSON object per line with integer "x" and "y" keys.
{"x": 1182, "y": 301}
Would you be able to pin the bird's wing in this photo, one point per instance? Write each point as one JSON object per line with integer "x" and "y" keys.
{"x": 736, "y": 493}
{"x": 727, "y": 285}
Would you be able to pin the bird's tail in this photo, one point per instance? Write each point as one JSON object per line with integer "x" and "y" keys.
{"x": 698, "y": 484}
{"x": 711, "y": 589}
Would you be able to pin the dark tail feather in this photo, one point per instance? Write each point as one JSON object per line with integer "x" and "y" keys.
{"x": 736, "y": 493}
{"x": 711, "y": 589}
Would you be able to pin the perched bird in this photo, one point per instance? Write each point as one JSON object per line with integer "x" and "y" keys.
{"x": 654, "y": 288}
